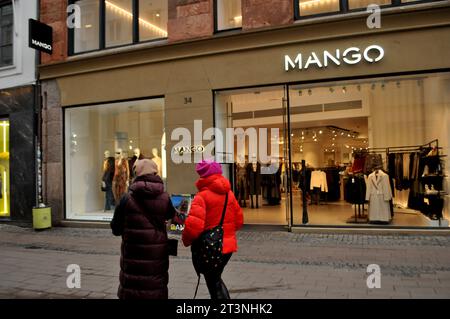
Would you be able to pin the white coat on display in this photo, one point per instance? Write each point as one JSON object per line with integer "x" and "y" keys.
{"x": 379, "y": 193}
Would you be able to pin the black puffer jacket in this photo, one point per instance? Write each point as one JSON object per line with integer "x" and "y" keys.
{"x": 140, "y": 219}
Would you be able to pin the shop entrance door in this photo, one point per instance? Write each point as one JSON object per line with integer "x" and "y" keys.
{"x": 4, "y": 168}
{"x": 264, "y": 194}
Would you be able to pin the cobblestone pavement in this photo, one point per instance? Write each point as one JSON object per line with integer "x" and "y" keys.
{"x": 269, "y": 264}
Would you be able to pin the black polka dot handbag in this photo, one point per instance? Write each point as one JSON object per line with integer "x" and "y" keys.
{"x": 207, "y": 249}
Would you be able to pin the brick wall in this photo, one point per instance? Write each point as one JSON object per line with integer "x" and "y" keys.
{"x": 53, "y": 13}
{"x": 265, "y": 13}
{"x": 190, "y": 19}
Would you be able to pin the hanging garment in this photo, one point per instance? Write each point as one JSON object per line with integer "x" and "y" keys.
{"x": 304, "y": 182}
{"x": 406, "y": 160}
{"x": 399, "y": 171}
{"x": 241, "y": 182}
{"x": 120, "y": 180}
{"x": 319, "y": 179}
{"x": 254, "y": 179}
{"x": 391, "y": 165}
{"x": 414, "y": 166}
{"x": 359, "y": 163}
{"x": 333, "y": 183}
{"x": 107, "y": 179}
{"x": 271, "y": 187}
{"x": 355, "y": 189}
{"x": 379, "y": 194}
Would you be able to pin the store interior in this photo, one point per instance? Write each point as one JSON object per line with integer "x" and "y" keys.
{"x": 373, "y": 156}
{"x": 102, "y": 144}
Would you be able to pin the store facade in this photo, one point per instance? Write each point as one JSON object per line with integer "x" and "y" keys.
{"x": 336, "y": 90}
{"x": 19, "y": 102}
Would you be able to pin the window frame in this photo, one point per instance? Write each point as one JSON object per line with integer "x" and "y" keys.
{"x": 345, "y": 8}
{"x": 102, "y": 30}
{"x": 216, "y": 15}
{"x": 4, "y": 3}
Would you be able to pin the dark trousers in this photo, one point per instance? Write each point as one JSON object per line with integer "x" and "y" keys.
{"x": 109, "y": 199}
{"x": 215, "y": 284}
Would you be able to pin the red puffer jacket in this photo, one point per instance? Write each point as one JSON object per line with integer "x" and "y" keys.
{"x": 206, "y": 211}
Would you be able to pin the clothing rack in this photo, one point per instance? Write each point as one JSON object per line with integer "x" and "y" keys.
{"x": 411, "y": 148}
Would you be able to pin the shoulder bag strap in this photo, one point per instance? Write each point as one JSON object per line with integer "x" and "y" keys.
{"x": 224, "y": 210}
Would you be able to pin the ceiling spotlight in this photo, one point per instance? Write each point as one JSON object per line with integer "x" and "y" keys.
{"x": 292, "y": 134}
{"x": 332, "y": 144}
{"x": 331, "y": 90}
{"x": 344, "y": 90}
{"x": 303, "y": 137}
{"x": 348, "y": 135}
{"x": 334, "y": 139}
{"x": 303, "y": 133}
{"x": 320, "y": 132}
{"x": 342, "y": 133}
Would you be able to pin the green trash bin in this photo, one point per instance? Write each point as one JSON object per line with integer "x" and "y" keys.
{"x": 42, "y": 218}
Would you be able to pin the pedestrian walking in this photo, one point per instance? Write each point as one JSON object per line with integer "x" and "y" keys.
{"x": 140, "y": 219}
{"x": 211, "y": 226}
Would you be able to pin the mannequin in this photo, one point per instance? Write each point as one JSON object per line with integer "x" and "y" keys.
{"x": 254, "y": 180}
{"x": 157, "y": 160}
{"x": 121, "y": 176}
{"x": 241, "y": 182}
{"x": 137, "y": 155}
{"x": 107, "y": 180}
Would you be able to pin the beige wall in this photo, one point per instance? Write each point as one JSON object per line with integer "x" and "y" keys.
{"x": 194, "y": 69}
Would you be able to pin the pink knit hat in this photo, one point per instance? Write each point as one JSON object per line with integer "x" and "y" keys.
{"x": 208, "y": 167}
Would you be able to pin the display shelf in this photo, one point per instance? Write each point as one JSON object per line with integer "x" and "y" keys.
{"x": 435, "y": 194}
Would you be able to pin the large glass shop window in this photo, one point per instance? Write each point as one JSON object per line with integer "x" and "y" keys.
{"x": 102, "y": 143}
{"x": 4, "y": 168}
{"x": 372, "y": 152}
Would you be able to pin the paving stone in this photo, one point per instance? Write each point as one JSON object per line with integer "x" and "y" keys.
{"x": 268, "y": 264}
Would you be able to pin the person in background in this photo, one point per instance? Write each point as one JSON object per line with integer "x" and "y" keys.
{"x": 206, "y": 212}
{"x": 140, "y": 219}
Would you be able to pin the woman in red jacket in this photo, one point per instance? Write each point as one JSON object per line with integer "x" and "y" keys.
{"x": 206, "y": 212}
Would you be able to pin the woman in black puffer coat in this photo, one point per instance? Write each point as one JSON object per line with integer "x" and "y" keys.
{"x": 140, "y": 219}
